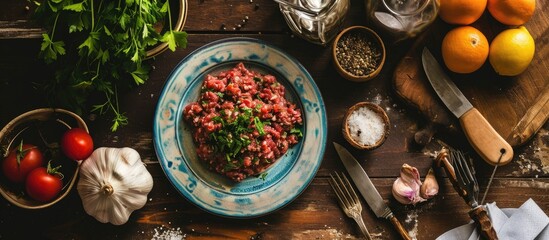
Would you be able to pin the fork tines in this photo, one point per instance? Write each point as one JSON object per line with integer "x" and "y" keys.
{"x": 465, "y": 175}
{"x": 348, "y": 200}
{"x": 346, "y": 195}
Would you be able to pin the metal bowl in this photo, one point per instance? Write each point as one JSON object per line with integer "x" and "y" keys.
{"x": 41, "y": 126}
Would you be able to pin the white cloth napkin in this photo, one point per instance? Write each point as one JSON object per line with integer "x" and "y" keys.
{"x": 525, "y": 223}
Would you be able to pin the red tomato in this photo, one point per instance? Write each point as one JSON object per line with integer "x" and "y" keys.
{"x": 77, "y": 144}
{"x": 20, "y": 161}
{"x": 42, "y": 185}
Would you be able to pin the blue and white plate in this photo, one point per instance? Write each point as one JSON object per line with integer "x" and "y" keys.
{"x": 254, "y": 196}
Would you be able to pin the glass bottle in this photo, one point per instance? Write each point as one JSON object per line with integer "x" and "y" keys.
{"x": 402, "y": 18}
{"x": 317, "y": 21}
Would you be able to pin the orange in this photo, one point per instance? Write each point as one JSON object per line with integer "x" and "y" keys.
{"x": 464, "y": 49}
{"x": 512, "y": 12}
{"x": 463, "y": 12}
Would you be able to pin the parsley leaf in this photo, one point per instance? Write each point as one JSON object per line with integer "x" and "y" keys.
{"x": 91, "y": 43}
{"x": 175, "y": 39}
{"x": 180, "y": 39}
{"x": 165, "y": 7}
{"x": 50, "y": 49}
{"x": 77, "y": 7}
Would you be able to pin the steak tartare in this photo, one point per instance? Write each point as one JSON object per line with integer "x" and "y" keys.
{"x": 242, "y": 123}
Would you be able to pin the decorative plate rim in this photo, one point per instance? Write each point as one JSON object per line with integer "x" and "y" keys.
{"x": 188, "y": 184}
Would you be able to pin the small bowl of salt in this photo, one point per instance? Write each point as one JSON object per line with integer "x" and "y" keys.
{"x": 365, "y": 126}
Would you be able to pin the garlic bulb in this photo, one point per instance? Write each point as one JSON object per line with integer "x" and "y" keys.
{"x": 406, "y": 187}
{"x": 113, "y": 183}
{"x": 429, "y": 188}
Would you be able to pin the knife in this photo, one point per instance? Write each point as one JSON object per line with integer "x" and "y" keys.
{"x": 368, "y": 190}
{"x": 482, "y": 136}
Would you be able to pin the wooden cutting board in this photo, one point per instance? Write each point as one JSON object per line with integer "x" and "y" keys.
{"x": 517, "y": 107}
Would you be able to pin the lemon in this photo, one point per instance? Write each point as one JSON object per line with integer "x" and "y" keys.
{"x": 511, "y": 51}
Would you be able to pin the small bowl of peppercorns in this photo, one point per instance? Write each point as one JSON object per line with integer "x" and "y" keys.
{"x": 358, "y": 53}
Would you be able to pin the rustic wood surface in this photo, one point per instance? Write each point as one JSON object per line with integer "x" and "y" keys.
{"x": 315, "y": 214}
{"x": 517, "y": 107}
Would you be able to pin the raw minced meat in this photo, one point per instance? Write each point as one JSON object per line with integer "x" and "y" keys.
{"x": 242, "y": 123}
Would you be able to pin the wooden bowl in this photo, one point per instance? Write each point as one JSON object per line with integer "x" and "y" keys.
{"x": 181, "y": 7}
{"x": 379, "y": 112}
{"x": 40, "y": 127}
{"x": 372, "y": 36}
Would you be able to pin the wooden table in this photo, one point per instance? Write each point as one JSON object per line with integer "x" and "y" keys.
{"x": 315, "y": 214}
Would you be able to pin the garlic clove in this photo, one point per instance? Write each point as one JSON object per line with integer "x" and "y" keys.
{"x": 406, "y": 187}
{"x": 403, "y": 193}
{"x": 429, "y": 188}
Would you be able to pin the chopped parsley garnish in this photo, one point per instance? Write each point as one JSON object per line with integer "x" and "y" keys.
{"x": 297, "y": 132}
{"x": 257, "y": 107}
{"x": 231, "y": 138}
{"x": 259, "y": 126}
{"x": 230, "y": 166}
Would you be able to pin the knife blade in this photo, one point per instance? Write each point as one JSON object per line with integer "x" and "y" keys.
{"x": 368, "y": 190}
{"x": 482, "y": 136}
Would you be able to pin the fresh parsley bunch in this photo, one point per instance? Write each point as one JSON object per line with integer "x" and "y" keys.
{"x": 98, "y": 46}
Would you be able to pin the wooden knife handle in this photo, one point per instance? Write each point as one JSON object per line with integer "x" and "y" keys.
{"x": 480, "y": 216}
{"x": 442, "y": 161}
{"x": 484, "y": 139}
{"x": 403, "y": 233}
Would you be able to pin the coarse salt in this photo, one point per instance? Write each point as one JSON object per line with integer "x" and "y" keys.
{"x": 168, "y": 234}
{"x": 365, "y": 126}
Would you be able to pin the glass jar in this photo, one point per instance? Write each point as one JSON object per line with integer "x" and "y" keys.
{"x": 402, "y": 18}
{"x": 317, "y": 21}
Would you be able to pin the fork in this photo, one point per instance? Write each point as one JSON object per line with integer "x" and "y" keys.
{"x": 348, "y": 200}
{"x": 466, "y": 180}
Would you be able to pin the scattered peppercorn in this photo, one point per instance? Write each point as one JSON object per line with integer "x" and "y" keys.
{"x": 357, "y": 54}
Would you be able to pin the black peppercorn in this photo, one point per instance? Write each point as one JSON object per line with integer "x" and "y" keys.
{"x": 357, "y": 54}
